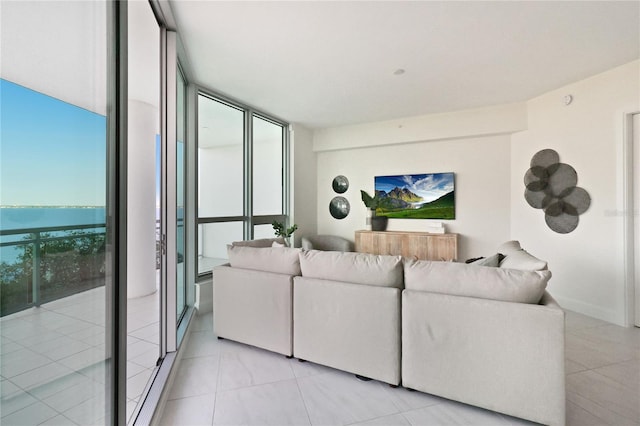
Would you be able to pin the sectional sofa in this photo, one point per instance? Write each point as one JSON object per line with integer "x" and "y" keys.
{"x": 488, "y": 336}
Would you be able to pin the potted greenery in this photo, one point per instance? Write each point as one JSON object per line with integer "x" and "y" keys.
{"x": 282, "y": 231}
{"x": 378, "y": 223}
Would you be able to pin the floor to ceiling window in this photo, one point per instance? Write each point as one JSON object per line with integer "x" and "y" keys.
{"x": 267, "y": 174}
{"x": 242, "y": 169}
{"x": 59, "y": 214}
{"x": 143, "y": 295}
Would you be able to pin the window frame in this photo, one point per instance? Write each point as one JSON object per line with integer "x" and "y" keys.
{"x": 248, "y": 219}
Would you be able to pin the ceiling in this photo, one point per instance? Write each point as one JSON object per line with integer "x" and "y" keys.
{"x": 332, "y": 63}
{"x": 56, "y": 48}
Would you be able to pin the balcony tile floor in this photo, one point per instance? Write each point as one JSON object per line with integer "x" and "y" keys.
{"x": 220, "y": 382}
{"x": 52, "y": 359}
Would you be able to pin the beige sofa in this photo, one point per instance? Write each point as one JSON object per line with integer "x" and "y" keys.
{"x": 487, "y": 336}
{"x": 346, "y": 312}
{"x": 253, "y": 295}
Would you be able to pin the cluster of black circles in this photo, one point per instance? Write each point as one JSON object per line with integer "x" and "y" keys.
{"x": 339, "y": 206}
{"x": 552, "y": 186}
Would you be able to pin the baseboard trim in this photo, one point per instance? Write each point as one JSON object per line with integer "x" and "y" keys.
{"x": 590, "y": 310}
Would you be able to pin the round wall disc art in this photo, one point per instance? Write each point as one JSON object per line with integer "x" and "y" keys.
{"x": 552, "y": 187}
{"x": 340, "y": 184}
{"x": 339, "y": 207}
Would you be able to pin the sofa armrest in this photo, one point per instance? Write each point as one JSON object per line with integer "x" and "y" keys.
{"x": 254, "y": 307}
{"x": 503, "y": 356}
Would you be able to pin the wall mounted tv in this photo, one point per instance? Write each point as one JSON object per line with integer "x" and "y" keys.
{"x": 422, "y": 196}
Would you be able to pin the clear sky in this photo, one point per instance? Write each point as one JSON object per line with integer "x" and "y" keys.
{"x": 51, "y": 152}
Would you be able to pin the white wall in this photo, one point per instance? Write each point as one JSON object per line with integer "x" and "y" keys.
{"x": 303, "y": 182}
{"x": 500, "y": 119}
{"x": 481, "y": 165}
{"x": 587, "y": 264}
{"x": 490, "y": 150}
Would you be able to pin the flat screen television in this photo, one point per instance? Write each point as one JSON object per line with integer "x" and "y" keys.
{"x": 420, "y": 196}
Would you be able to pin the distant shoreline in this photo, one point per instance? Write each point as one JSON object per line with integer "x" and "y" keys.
{"x": 52, "y": 207}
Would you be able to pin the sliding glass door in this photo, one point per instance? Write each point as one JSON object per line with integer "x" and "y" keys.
{"x": 60, "y": 213}
{"x": 181, "y": 158}
{"x": 144, "y": 245}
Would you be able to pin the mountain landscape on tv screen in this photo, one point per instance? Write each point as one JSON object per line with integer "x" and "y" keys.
{"x": 400, "y": 196}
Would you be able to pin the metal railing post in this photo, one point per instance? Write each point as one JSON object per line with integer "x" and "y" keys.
{"x": 36, "y": 269}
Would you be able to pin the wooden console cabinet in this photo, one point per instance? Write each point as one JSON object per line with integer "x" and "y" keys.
{"x": 414, "y": 245}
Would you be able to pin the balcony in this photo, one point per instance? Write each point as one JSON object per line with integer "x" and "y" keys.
{"x": 54, "y": 350}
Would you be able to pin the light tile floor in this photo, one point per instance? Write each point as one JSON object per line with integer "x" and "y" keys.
{"x": 220, "y": 382}
{"x": 52, "y": 359}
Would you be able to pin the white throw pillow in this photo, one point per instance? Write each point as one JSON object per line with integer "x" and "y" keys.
{"x": 509, "y": 247}
{"x": 518, "y": 258}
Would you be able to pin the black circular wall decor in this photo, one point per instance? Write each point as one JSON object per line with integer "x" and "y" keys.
{"x": 552, "y": 186}
{"x": 340, "y": 184}
{"x": 339, "y": 207}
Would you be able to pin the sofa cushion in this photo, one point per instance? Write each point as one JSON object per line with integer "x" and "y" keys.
{"x": 460, "y": 279}
{"x": 280, "y": 260}
{"x": 262, "y": 242}
{"x": 357, "y": 268}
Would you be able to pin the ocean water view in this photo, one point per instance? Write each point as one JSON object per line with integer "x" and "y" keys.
{"x": 41, "y": 217}
{"x": 19, "y": 218}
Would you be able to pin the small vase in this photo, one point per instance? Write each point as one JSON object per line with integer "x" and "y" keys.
{"x": 379, "y": 223}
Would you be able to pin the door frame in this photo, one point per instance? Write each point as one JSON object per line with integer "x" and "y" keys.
{"x": 631, "y": 274}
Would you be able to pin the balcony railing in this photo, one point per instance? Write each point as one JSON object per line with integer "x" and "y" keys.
{"x": 40, "y": 265}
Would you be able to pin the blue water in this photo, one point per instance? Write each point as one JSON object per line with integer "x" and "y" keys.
{"x": 24, "y": 218}
{"x": 19, "y": 218}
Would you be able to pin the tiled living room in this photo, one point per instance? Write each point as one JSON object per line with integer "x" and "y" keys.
{"x": 405, "y": 138}
{"x": 489, "y": 147}
{"x": 221, "y": 382}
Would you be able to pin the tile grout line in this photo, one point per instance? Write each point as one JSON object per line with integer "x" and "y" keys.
{"x": 215, "y": 395}
{"x": 593, "y": 370}
{"x": 255, "y": 385}
{"x": 304, "y": 403}
{"x": 600, "y": 406}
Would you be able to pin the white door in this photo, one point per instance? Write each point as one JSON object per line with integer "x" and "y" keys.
{"x": 636, "y": 212}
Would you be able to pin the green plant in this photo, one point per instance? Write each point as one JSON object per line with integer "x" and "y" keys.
{"x": 69, "y": 262}
{"x": 282, "y": 231}
{"x": 370, "y": 202}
